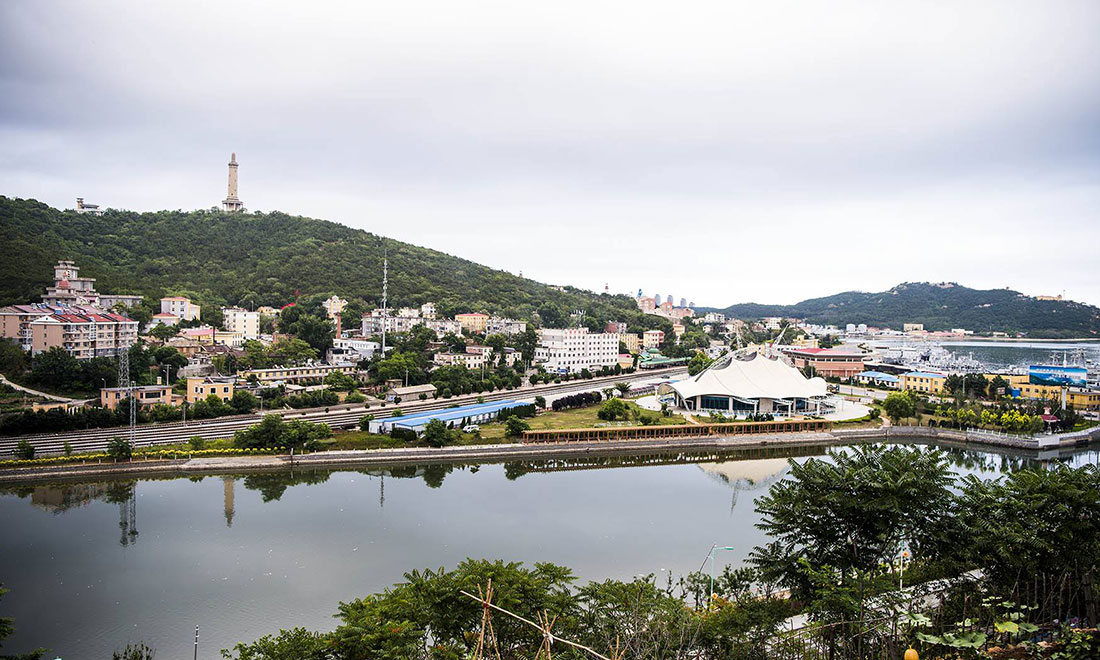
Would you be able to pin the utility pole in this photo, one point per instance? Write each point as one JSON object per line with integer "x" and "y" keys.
{"x": 196, "y": 643}
{"x": 385, "y": 296}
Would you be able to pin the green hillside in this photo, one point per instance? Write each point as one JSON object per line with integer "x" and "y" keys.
{"x": 264, "y": 258}
{"x": 940, "y": 307}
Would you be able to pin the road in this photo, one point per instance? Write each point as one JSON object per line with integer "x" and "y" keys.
{"x": 51, "y": 397}
{"x": 342, "y": 416}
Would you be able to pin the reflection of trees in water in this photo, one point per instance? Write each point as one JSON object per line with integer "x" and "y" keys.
{"x": 124, "y": 494}
{"x": 272, "y": 485}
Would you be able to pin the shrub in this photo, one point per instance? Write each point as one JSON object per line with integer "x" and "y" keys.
{"x": 355, "y": 397}
{"x": 540, "y": 401}
{"x": 423, "y": 396}
{"x": 120, "y": 449}
{"x": 364, "y": 422}
{"x": 397, "y": 399}
{"x": 408, "y": 435}
{"x": 67, "y": 448}
{"x": 197, "y": 442}
{"x": 397, "y": 413}
{"x": 614, "y": 409}
{"x": 24, "y": 450}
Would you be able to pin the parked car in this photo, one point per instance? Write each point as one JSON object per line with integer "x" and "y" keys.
{"x": 471, "y": 428}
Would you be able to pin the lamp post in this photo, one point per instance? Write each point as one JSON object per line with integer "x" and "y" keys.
{"x": 713, "y": 549}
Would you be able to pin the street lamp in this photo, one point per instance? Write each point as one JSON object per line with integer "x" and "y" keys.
{"x": 713, "y": 549}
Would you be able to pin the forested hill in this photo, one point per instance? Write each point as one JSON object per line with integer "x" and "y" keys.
{"x": 940, "y": 307}
{"x": 263, "y": 259}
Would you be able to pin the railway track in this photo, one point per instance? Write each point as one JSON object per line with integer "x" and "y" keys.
{"x": 340, "y": 416}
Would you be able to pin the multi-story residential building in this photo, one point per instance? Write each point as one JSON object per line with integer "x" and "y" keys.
{"x": 84, "y": 332}
{"x": 427, "y": 310}
{"x": 647, "y": 304}
{"x": 468, "y": 360}
{"x": 376, "y": 320}
{"x": 569, "y": 350}
{"x": 351, "y": 350}
{"x": 180, "y": 307}
{"x": 503, "y": 326}
{"x": 632, "y": 341}
{"x": 474, "y": 322}
{"x": 652, "y": 338}
{"x": 237, "y": 319}
{"x": 618, "y": 327}
{"x": 443, "y": 327}
{"x": 200, "y": 387}
{"x": 714, "y": 317}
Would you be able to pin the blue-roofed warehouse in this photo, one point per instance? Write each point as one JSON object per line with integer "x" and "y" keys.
{"x": 477, "y": 413}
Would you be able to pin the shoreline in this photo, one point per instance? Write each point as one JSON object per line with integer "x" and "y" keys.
{"x": 349, "y": 459}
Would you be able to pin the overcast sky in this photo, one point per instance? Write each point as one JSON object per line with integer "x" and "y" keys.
{"x": 723, "y": 152}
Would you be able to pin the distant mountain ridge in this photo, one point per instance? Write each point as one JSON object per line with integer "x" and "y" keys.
{"x": 942, "y": 306}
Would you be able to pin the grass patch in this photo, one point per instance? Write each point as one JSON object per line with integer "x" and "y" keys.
{"x": 576, "y": 418}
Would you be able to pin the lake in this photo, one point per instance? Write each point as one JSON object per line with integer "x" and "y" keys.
{"x": 92, "y": 566}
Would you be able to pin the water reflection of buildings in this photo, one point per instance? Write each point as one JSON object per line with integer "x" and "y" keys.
{"x": 228, "y": 484}
{"x": 58, "y": 500}
{"x": 756, "y": 474}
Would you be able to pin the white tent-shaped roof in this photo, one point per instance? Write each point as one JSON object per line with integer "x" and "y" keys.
{"x": 751, "y": 377}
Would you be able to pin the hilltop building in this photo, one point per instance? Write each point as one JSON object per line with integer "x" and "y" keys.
{"x": 69, "y": 288}
{"x": 83, "y": 207}
{"x": 232, "y": 203}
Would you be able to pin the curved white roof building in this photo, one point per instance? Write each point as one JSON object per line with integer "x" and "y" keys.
{"x": 749, "y": 384}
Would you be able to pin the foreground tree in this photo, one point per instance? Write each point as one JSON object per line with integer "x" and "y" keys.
{"x": 852, "y": 512}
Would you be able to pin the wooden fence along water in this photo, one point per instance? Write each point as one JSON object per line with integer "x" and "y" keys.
{"x": 623, "y": 433}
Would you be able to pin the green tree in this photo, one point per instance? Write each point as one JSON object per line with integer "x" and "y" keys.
{"x": 163, "y": 331}
{"x": 293, "y": 644}
{"x": 852, "y": 512}
{"x": 614, "y": 409}
{"x": 515, "y": 426}
{"x": 435, "y": 433}
{"x": 24, "y": 449}
{"x": 898, "y": 406}
{"x": 120, "y": 449}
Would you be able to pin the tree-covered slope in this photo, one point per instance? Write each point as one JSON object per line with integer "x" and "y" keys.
{"x": 940, "y": 307}
{"x": 263, "y": 259}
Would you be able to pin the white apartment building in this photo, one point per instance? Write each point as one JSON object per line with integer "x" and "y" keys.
{"x": 180, "y": 307}
{"x": 570, "y": 350}
{"x": 237, "y": 319}
{"x": 504, "y": 326}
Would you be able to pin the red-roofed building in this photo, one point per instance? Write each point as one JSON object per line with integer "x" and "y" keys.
{"x": 839, "y": 361}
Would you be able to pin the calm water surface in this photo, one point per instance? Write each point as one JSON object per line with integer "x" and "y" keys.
{"x": 92, "y": 566}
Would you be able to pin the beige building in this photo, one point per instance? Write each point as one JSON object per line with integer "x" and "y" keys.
{"x": 297, "y": 374}
{"x": 474, "y": 322}
{"x": 632, "y": 341}
{"x": 83, "y": 335}
{"x": 180, "y": 307}
{"x": 652, "y": 338}
{"x": 471, "y": 361}
{"x": 146, "y": 396}
{"x": 240, "y": 320}
{"x": 200, "y": 387}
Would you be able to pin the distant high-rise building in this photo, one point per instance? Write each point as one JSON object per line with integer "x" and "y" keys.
{"x": 683, "y": 302}
{"x": 670, "y": 299}
{"x": 657, "y": 300}
{"x": 232, "y": 203}
{"x": 639, "y": 293}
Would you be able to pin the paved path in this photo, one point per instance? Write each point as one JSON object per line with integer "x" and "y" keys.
{"x": 52, "y": 397}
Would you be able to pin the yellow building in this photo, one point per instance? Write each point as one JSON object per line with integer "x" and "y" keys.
{"x": 1078, "y": 398}
{"x": 923, "y": 381}
{"x": 632, "y": 341}
{"x": 311, "y": 372}
{"x": 200, "y": 387}
{"x": 475, "y": 323}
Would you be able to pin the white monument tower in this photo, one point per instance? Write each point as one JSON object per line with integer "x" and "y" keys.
{"x": 232, "y": 203}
